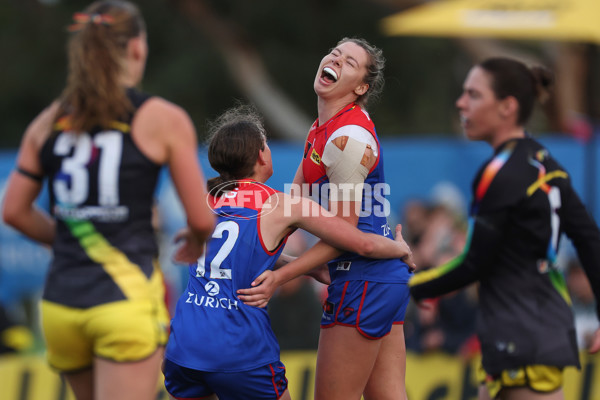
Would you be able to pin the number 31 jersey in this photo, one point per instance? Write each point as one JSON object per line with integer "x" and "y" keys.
{"x": 101, "y": 191}
{"x": 212, "y": 330}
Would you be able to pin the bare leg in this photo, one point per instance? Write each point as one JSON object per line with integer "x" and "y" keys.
{"x": 128, "y": 381}
{"x": 286, "y": 395}
{"x": 82, "y": 384}
{"x": 387, "y": 380}
{"x": 345, "y": 360}
{"x": 528, "y": 394}
{"x": 483, "y": 393}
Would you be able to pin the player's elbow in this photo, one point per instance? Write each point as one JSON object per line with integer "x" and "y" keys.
{"x": 366, "y": 248}
{"x": 10, "y": 215}
{"x": 7, "y": 217}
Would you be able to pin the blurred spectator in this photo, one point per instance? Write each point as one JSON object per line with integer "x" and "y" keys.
{"x": 436, "y": 227}
{"x": 448, "y": 195}
{"x": 296, "y": 308}
{"x": 444, "y": 235}
{"x": 414, "y": 215}
{"x": 583, "y": 303}
{"x": 446, "y": 324}
{"x": 436, "y": 231}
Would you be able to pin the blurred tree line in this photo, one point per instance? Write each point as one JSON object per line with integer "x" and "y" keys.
{"x": 196, "y": 46}
{"x": 208, "y": 54}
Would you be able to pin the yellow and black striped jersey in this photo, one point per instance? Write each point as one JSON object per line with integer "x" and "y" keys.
{"x": 101, "y": 193}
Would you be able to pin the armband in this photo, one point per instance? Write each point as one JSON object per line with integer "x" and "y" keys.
{"x": 30, "y": 175}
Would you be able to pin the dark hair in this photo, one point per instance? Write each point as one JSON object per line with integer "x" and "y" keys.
{"x": 235, "y": 138}
{"x": 93, "y": 95}
{"x": 375, "y": 66}
{"x": 513, "y": 78}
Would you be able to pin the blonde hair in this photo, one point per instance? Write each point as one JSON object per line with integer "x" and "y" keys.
{"x": 93, "y": 95}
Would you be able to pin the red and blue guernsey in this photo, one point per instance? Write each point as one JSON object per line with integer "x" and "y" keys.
{"x": 212, "y": 330}
{"x": 375, "y": 207}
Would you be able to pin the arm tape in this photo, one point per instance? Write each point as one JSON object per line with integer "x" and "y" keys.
{"x": 30, "y": 175}
{"x": 345, "y": 171}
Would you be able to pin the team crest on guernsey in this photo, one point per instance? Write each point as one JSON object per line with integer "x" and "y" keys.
{"x": 328, "y": 307}
{"x": 315, "y": 157}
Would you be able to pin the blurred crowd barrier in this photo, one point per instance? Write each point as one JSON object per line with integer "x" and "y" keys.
{"x": 415, "y": 167}
{"x": 429, "y": 182}
{"x": 433, "y": 376}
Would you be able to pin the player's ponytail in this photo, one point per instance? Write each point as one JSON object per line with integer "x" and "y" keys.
{"x": 513, "y": 78}
{"x": 218, "y": 185}
{"x": 94, "y": 95}
{"x": 544, "y": 82}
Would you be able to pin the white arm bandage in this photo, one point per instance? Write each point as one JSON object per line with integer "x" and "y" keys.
{"x": 356, "y": 132}
{"x": 344, "y": 169}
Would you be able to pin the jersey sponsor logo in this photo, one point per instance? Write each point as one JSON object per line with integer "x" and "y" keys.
{"x": 315, "y": 157}
{"x": 211, "y": 302}
{"x": 92, "y": 213}
{"x": 386, "y": 230}
{"x": 343, "y": 265}
{"x": 212, "y": 288}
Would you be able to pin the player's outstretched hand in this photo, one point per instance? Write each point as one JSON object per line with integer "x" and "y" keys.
{"x": 408, "y": 259}
{"x": 595, "y": 342}
{"x": 261, "y": 291}
{"x": 189, "y": 250}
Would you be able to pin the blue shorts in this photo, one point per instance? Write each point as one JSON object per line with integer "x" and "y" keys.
{"x": 263, "y": 383}
{"x": 370, "y": 307}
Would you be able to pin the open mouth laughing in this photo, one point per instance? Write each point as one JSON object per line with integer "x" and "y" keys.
{"x": 329, "y": 75}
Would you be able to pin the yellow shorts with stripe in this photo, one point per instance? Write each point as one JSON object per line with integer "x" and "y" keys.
{"x": 120, "y": 331}
{"x": 539, "y": 378}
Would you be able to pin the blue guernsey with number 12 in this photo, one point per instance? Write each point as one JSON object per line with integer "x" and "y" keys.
{"x": 212, "y": 330}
